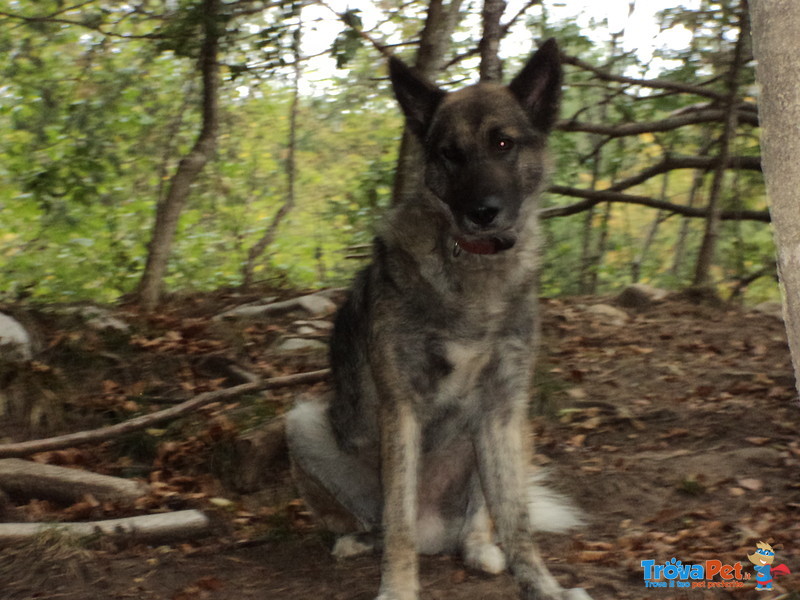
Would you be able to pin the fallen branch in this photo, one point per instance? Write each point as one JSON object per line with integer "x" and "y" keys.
{"x": 315, "y": 304}
{"x": 161, "y": 527}
{"x": 105, "y": 433}
{"x": 26, "y": 479}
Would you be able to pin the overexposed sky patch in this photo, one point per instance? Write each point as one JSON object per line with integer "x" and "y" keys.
{"x": 598, "y": 19}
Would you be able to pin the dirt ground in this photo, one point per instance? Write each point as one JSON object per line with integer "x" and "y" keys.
{"x": 675, "y": 431}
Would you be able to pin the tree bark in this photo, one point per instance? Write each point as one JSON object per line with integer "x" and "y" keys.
{"x": 491, "y": 68}
{"x": 169, "y": 210}
{"x": 776, "y": 25}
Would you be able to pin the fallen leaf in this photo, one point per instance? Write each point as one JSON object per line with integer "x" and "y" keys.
{"x": 750, "y": 483}
{"x": 757, "y": 441}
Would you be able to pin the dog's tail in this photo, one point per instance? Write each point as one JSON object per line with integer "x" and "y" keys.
{"x": 551, "y": 511}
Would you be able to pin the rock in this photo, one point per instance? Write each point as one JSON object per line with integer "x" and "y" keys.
{"x": 317, "y": 324}
{"x": 101, "y": 320}
{"x": 15, "y": 343}
{"x": 772, "y": 309}
{"x": 294, "y": 344}
{"x": 316, "y": 304}
{"x": 640, "y": 295}
{"x": 608, "y": 315}
{"x": 97, "y": 318}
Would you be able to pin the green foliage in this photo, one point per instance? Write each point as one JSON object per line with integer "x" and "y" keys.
{"x": 93, "y": 127}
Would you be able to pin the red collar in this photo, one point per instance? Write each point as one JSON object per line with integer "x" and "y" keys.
{"x": 490, "y": 246}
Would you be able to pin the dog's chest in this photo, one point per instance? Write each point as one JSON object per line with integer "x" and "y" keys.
{"x": 467, "y": 362}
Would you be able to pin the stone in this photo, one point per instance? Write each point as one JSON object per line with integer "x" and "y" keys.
{"x": 640, "y": 295}
{"x": 15, "y": 342}
{"x": 316, "y": 305}
{"x": 769, "y": 308}
{"x": 294, "y": 344}
{"x": 608, "y": 315}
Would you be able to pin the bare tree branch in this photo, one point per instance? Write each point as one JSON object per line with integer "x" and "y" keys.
{"x": 594, "y": 197}
{"x": 659, "y": 84}
{"x": 99, "y": 28}
{"x": 670, "y": 163}
{"x": 668, "y": 124}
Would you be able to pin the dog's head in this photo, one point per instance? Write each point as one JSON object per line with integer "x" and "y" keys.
{"x": 484, "y": 145}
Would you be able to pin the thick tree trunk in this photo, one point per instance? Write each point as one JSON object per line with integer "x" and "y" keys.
{"x": 776, "y": 27}
{"x": 169, "y": 210}
{"x": 491, "y": 68}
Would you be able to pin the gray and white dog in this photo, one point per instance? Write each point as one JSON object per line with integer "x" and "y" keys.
{"x": 424, "y": 442}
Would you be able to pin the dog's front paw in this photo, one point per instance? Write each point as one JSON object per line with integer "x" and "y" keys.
{"x": 576, "y": 594}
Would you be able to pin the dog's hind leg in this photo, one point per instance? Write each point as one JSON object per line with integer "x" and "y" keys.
{"x": 343, "y": 490}
{"x": 477, "y": 541}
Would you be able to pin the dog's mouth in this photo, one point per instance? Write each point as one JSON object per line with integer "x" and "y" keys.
{"x": 491, "y": 245}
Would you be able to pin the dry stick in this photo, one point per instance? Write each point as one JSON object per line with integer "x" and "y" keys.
{"x": 106, "y": 433}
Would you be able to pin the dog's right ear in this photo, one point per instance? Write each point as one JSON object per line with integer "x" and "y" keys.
{"x": 417, "y": 97}
{"x": 538, "y": 86}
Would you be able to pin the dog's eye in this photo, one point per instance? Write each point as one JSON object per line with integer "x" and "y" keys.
{"x": 505, "y": 144}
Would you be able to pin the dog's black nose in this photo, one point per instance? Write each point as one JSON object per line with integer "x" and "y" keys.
{"x": 483, "y": 215}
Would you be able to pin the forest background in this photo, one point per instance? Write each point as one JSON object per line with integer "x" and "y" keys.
{"x": 179, "y": 145}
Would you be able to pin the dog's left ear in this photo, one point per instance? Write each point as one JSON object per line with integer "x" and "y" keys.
{"x": 417, "y": 96}
{"x": 538, "y": 86}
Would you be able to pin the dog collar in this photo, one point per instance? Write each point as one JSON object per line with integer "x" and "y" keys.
{"x": 477, "y": 247}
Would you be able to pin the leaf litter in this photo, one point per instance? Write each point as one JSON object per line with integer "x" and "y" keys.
{"x": 675, "y": 432}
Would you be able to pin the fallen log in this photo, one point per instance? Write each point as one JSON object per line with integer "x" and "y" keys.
{"x": 162, "y": 527}
{"x": 315, "y": 304}
{"x": 19, "y": 449}
{"x": 26, "y": 479}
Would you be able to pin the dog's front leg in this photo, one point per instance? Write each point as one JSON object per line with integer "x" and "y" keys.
{"x": 502, "y": 458}
{"x": 399, "y": 462}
